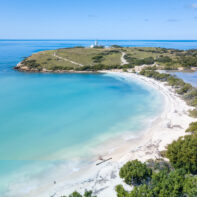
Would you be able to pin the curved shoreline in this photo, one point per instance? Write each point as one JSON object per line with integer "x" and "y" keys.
{"x": 168, "y": 126}
{"x": 165, "y": 128}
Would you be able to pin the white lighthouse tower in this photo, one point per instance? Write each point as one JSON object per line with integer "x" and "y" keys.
{"x": 95, "y": 44}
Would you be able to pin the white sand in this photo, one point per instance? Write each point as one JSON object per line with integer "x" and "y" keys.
{"x": 102, "y": 179}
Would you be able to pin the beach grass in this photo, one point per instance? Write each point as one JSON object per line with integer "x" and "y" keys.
{"x": 93, "y": 59}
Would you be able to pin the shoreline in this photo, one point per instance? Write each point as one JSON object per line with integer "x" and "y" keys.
{"x": 19, "y": 67}
{"x": 169, "y": 125}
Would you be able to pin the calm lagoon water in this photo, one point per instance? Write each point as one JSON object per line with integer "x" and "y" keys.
{"x": 189, "y": 77}
{"x": 50, "y": 120}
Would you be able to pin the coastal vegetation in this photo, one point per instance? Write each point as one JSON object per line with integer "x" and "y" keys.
{"x": 178, "y": 177}
{"x": 154, "y": 178}
{"x": 185, "y": 90}
{"x": 183, "y": 153}
{"x": 135, "y": 173}
{"x": 100, "y": 58}
{"x": 76, "y": 194}
{"x": 160, "y": 178}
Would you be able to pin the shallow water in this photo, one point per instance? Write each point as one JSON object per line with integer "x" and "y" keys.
{"x": 188, "y": 77}
{"x": 50, "y": 120}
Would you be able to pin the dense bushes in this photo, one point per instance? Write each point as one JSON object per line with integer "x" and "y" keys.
{"x": 192, "y": 128}
{"x": 135, "y": 172}
{"x": 164, "y": 59}
{"x": 184, "y": 88}
{"x": 30, "y": 63}
{"x": 183, "y": 153}
{"x": 97, "y": 59}
{"x": 163, "y": 180}
{"x": 182, "y": 58}
{"x": 76, "y": 194}
{"x": 56, "y": 68}
{"x": 136, "y": 62}
{"x": 190, "y": 186}
{"x": 187, "y": 62}
{"x": 153, "y": 74}
{"x": 100, "y": 56}
{"x": 163, "y": 184}
{"x": 188, "y": 93}
{"x": 98, "y": 67}
{"x": 115, "y": 46}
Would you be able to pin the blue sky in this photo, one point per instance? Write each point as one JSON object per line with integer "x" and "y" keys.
{"x": 98, "y": 19}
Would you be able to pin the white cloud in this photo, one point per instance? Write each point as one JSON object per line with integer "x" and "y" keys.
{"x": 194, "y": 5}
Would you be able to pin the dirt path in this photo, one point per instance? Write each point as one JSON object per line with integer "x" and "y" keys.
{"x": 123, "y": 60}
{"x": 65, "y": 59}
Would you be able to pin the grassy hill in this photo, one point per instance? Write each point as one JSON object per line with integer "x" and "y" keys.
{"x": 93, "y": 59}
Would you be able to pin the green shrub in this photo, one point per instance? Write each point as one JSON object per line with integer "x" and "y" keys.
{"x": 97, "y": 59}
{"x": 174, "y": 81}
{"x": 125, "y": 70}
{"x": 164, "y": 59}
{"x": 184, "y": 89}
{"x": 188, "y": 62}
{"x": 183, "y": 153}
{"x": 136, "y": 61}
{"x": 30, "y": 63}
{"x": 76, "y": 194}
{"x": 135, "y": 172}
{"x": 190, "y": 186}
{"x": 168, "y": 184}
{"x": 121, "y": 192}
{"x": 192, "y": 94}
{"x": 192, "y": 127}
{"x": 162, "y": 184}
{"x": 115, "y": 46}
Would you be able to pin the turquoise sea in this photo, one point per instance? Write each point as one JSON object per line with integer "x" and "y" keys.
{"x": 54, "y": 121}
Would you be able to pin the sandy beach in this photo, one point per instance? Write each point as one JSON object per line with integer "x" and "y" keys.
{"x": 102, "y": 179}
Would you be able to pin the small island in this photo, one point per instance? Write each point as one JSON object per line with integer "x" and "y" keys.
{"x": 97, "y": 58}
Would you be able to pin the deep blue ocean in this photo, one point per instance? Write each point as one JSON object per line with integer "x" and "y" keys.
{"x": 50, "y": 120}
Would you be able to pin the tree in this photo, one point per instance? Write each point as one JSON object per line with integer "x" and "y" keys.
{"x": 121, "y": 192}
{"x": 88, "y": 194}
{"x": 190, "y": 186}
{"x": 184, "y": 89}
{"x": 135, "y": 172}
{"x": 75, "y": 194}
{"x": 162, "y": 184}
{"x": 183, "y": 153}
{"x": 192, "y": 127}
{"x": 167, "y": 184}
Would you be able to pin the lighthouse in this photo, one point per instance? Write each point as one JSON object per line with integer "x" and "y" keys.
{"x": 95, "y": 44}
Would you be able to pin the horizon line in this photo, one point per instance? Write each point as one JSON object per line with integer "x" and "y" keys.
{"x": 76, "y": 39}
